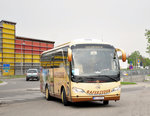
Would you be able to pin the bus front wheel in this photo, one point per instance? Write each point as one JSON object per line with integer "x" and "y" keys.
{"x": 47, "y": 95}
{"x": 64, "y": 98}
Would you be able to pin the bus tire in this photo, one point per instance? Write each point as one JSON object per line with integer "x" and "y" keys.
{"x": 47, "y": 95}
{"x": 64, "y": 98}
{"x": 106, "y": 102}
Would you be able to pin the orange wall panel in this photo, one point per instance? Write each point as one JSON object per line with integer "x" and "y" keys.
{"x": 28, "y": 51}
{"x": 35, "y": 48}
{"x": 28, "y": 47}
{"x": 50, "y": 45}
{"x": 36, "y": 52}
{"x": 18, "y": 41}
{"x": 43, "y": 49}
{"x": 36, "y": 44}
{"x": 18, "y": 51}
{"x": 43, "y": 45}
{"x": 28, "y": 42}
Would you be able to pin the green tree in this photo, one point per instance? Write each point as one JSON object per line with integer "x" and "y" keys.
{"x": 146, "y": 62}
{"x": 147, "y": 34}
{"x": 134, "y": 57}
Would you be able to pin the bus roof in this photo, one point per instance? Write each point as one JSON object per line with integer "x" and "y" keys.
{"x": 77, "y": 41}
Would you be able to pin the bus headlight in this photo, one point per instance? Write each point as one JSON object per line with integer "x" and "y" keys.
{"x": 77, "y": 90}
{"x": 116, "y": 89}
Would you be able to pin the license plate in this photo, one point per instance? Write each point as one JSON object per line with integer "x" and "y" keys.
{"x": 98, "y": 98}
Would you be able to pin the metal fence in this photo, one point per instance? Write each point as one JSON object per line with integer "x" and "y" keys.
{"x": 135, "y": 72}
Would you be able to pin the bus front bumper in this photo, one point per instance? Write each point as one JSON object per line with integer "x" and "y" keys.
{"x": 95, "y": 98}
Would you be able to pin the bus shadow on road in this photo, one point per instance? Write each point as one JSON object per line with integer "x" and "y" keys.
{"x": 32, "y": 80}
{"x": 89, "y": 104}
{"x": 83, "y": 104}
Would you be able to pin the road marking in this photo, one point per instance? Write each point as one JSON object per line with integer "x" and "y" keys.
{"x": 20, "y": 98}
{"x": 33, "y": 89}
{"x": 26, "y": 89}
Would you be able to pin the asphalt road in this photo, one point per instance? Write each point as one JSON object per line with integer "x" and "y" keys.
{"x": 17, "y": 87}
{"x": 22, "y": 90}
{"x": 135, "y": 101}
{"x": 19, "y": 83}
{"x": 17, "y": 90}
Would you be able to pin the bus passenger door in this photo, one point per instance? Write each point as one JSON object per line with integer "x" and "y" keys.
{"x": 67, "y": 72}
{"x": 51, "y": 76}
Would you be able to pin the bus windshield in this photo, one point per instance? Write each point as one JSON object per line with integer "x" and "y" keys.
{"x": 94, "y": 60}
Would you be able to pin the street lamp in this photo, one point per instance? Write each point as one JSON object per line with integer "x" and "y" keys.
{"x": 22, "y": 58}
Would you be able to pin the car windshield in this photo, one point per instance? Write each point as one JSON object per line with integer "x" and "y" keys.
{"x": 94, "y": 60}
{"x": 32, "y": 71}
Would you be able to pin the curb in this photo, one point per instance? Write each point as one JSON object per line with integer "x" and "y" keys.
{"x": 135, "y": 85}
{"x": 4, "y": 83}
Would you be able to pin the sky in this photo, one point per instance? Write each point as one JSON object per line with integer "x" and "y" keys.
{"x": 121, "y": 23}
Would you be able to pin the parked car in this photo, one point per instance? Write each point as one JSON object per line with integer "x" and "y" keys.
{"x": 32, "y": 74}
{"x": 124, "y": 73}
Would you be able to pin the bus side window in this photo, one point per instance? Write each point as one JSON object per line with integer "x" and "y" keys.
{"x": 58, "y": 60}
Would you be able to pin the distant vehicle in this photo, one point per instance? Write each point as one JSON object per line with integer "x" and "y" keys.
{"x": 125, "y": 73}
{"x": 147, "y": 67}
{"x": 32, "y": 74}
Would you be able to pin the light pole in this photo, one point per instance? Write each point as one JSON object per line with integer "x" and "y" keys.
{"x": 22, "y": 58}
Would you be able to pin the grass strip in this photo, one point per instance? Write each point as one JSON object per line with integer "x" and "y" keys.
{"x": 1, "y": 81}
{"x": 128, "y": 83}
{"x": 14, "y": 76}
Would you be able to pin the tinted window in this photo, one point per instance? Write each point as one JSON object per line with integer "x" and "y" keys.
{"x": 32, "y": 71}
{"x": 58, "y": 60}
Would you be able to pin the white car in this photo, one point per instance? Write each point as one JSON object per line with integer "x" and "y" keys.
{"x": 32, "y": 74}
{"x": 125, "y": 73}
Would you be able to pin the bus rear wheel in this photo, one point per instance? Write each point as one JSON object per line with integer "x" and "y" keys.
{"x": 47, "y": 95}
{"x": 64, "y": 98}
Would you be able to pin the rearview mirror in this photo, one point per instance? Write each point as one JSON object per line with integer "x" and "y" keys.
{"x": 123, "y": 54}
{"x": 69, "y": 55}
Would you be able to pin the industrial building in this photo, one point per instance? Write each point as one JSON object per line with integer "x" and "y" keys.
{"x": 18, "y": 54}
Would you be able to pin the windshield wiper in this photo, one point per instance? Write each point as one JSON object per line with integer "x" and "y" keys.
{"x": 78, "y": 78}
{"x": 108, "y": 77}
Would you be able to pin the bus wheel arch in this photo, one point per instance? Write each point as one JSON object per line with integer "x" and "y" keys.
{"x": 62, "y": 87}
